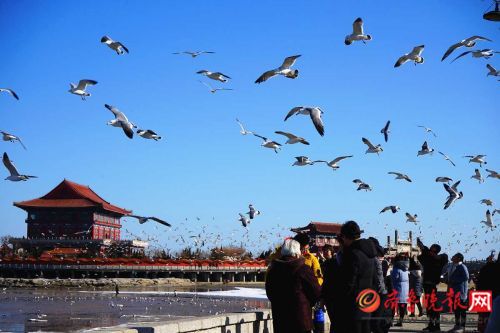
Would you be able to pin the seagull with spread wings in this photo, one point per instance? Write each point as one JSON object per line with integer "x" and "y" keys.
{"x": 385, "y": 131}
{"x": 12, "y": 138}
{"x": 357, "y": 33}
{"x": 485, "y": 53}
{"x": 269, "y": 143}
{"x": 468, "y": 42}
{"x": 411, "y": 218}
{"x": 10, "y": 92}
{"x": 144, "y": 219}
{"x": 400, "y": 176}
{"x": 453, "y": 194}
{"x": 302, "y": 161}
{"x": 371, "y": 148}
{"x": 212, "y": 89}
{"x": 148, "y": 134}
{"x": 489, "y": 221}
{"x": 477, "y": 159}
{"x": 415, "y": 55}
{"x": 477, "y": 175}
{"x": 292, "y": 138}
{"x": 194, "y": 54}
{"x": 80, "y": 88}
{"x": 447, "y": 158}
{"x": 315, "y": 114}
{"x": 243, "y": 131}
{"x": 244, "y": 220}
{"x": 443, "y": 180}
{"x": 333, "y": 163}
{"x": 425, "y": 150}
{"x": 487, "y": 202}
{"x": 362, "y": 185}
{"x": 217, "y": 76}
{"x": 284, "y": 70}
{"x": 121, "y": 120}
{"x": 493, "y": 174}
{"x": 393, "y": 209}
{"x": 14, "y": 174}
{"x": 252, "y": 212}
{"x": 428, "y": 130}
{"x": 116, "y": 46}
{"x": 492, "y": 71}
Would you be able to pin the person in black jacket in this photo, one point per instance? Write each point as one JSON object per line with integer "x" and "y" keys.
{"x": 488, "y": 280}
{"x": 432, "y": 263}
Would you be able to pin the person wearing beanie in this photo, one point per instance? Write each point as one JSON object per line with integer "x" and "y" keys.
{"x": 310, "y": 259}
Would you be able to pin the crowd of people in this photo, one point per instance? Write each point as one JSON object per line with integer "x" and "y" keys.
{"x": 348, "y": 281}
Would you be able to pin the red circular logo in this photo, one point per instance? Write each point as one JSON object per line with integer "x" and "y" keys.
{"x": 368, "y": 300}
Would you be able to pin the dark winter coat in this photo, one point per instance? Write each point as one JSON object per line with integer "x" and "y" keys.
{"x": 488, "y": 278}
{"x": 292, "y": 289}
{"x": 433, "y": 266}
{"x": 416, "y": 282}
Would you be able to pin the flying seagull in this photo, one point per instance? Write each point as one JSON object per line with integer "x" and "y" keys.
{"x": 362, "y": 185}
{"x": 252, "y": 212}
{"x": 411, "y": 218}
{"x": 148, "y": 134}
{"x": 10, "y": 92}
{"x": 213, "y": 90}
{"x": 218, "y": 76}
{"x": 443, "y": 179}
{"x": 453, "y": 194}
{"x": 357, "y": 33}
{"x": 446, "y": 157}
{"x": 118, "y": 47}
{"x": 487, "y": 202}
{"x": 425, "y": 150}
{"x": 12, "y": 138}
{"x": 415, "y": 55}
{"x": 244, "y": 220}
{"x": 315, "y": 114}
{"x": 371, "y": 148}
{"x": 269, "y": 143}
{"x": 400, "y": 176}
{"x": 385, "y": 131}
{"x": 243, "y": 131}
{"x": 80, "y": 88}
{"x": 489, "y": 220}
{"x": 428, "y": 130}
{"x": 485, "y": 53}
{"x": 468, "y": 42}
{"x": 393, "y": 209}
{"x": 493, "y": 174}
{"x": 144, "y": 219}
{"x": 477, "y": 175}
{"x": 333, "y": 163}
{"x": 477, "y": 159}
{"x": 302, "y": 161}
{"x": 121, "y": 120}
{"x": 284, "y": 70}
{"x": 292, "y": 139}
{"x": 495, "y": 211}
{"x": 492, "y": 71}
{"x": 14, "y": 174}
{"x": 194, "y": 54}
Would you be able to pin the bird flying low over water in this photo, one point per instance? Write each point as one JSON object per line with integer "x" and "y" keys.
{"x": 212, "y": 89}
{"x": 116, "y": 46}
{"x": 12, "y": 138}
{"x": 477, "y": 175}
{"x": 443, "y": 180}
{"x": 400, "y": 176}
{"x": 411, "y": 218}
{"x": 14, "y": 174}
{"x": 446, "y": 157}
{"x": 194, "y": 54}
{"x": 333, "y": 163}
{"x": 415, "y": 55}
{"x": 284, "y": 70}
{"x": 218, "y": 76}
{"x": 477, "y": 159}
{"x": 302, "y": 161}
{"x": 148, "y": 134}
{"x": 492, "y": 71}
{"x": 468, "y": 42}
{"x": 292, "y": 139}
{"x": 487, "y": 202}
{"x": 244, "y": 220}
{"x": 80, "y": 88}
{"x": 362, "y": 185}
{"x": 425, "y": 150}
{"x": 453, "y": 194}
{"x": 393, "y": 209}
{"x": 489, "y": 221}
{"x": 243, "y": 131}
{"x": 315, "y": 114}
{"x": 144, "y": 219}
{"x": 121, "y": 120}
{"x": 252, "y": 212}
{"x": 10, "y": 92}
{"x": 269, "y": 143}
{"x": 485, "y": 53}
{"x": 371, "y": 148}
{"x": 493, "y": 174}
{"x": 357, "y": 33}
{"x": 385, "y": 131}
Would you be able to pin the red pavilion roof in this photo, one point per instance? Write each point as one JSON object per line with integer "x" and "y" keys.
{"x": 71, "y": 195}
{"x": 320, "y": 227}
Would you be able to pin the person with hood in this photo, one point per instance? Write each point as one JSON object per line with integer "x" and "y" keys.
{"x": 401, "y": 283}
{"x": 292, "y": 290}
{"x": 416, "y": 285}
{"x": 309, "y": 258}
{"x": 458, "y": 280}
{"x": 355, "y": 273}
{"x": 432, "y": 263}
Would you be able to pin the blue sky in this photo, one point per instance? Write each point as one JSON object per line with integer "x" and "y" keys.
{"x": 203, "y": 167}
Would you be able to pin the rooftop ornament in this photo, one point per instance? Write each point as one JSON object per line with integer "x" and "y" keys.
{"x": 493, "y": 15}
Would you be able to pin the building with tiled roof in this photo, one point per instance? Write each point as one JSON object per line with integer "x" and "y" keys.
{"x": 321, "y": 233}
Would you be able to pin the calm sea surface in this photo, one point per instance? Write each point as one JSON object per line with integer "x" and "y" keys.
{"x": 25, "y": 310}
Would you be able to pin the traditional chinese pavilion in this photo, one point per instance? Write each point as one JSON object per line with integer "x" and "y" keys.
{"x": 321, "y": 233}
{"x": 72, "y": 211}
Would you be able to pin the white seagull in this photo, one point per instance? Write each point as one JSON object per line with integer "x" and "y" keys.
{"x": 493, "y": 174}
{"x": 14, "y": 174}
{"x": 493, "y": 71}
{"x": 453, "y": 194}
{"x": 411, "y": 218}
{"x": 428, "y": 130}
{"x": 12, "y": 138}
{"x": 284, "y": 70}
{"x": 357, "y": 33}
{"x": 371, "y": 148}
{"x": 333, "y": 163}
{"x": 194, "y": 54}
{"x": 489, "y": 220}
{"x": 144, "y": 219}
{"x": 243, "y": 131}
{"x": 477, "y": 159}
{"x": 385, "y": 131}
{"x": 148, "y": 134}
{"x": 118, "y": 47}
{"x": 468, "y": 42}
{"x": 485, "y": 53}
{"x": 487, "y": 202}
{"x": 244, "y": 220}
{"x": 425, "y": 150}
{"x": 292, "y": 139}
{"x": 10, "y": 92}
{"x": 362, "y": 185}
{"x": 218, "y": 76}
{"x": 302, "y": 161}
{"x": 212, "y": 89}
{"x": 400, "y": 176}
{"x": 80, "y": 88}
{"x": 252, "y": 212}
{"x": 315, "y": 114}
{"x": 415, "y": 55}
{"x": 443, "y": 179}
{"x": 393, "y": 209}
{"x": 446, "y": 157}
{"x": 477, "y": 175}
{"x": 121, "y": 120}
{"x": 269, "y": 143}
